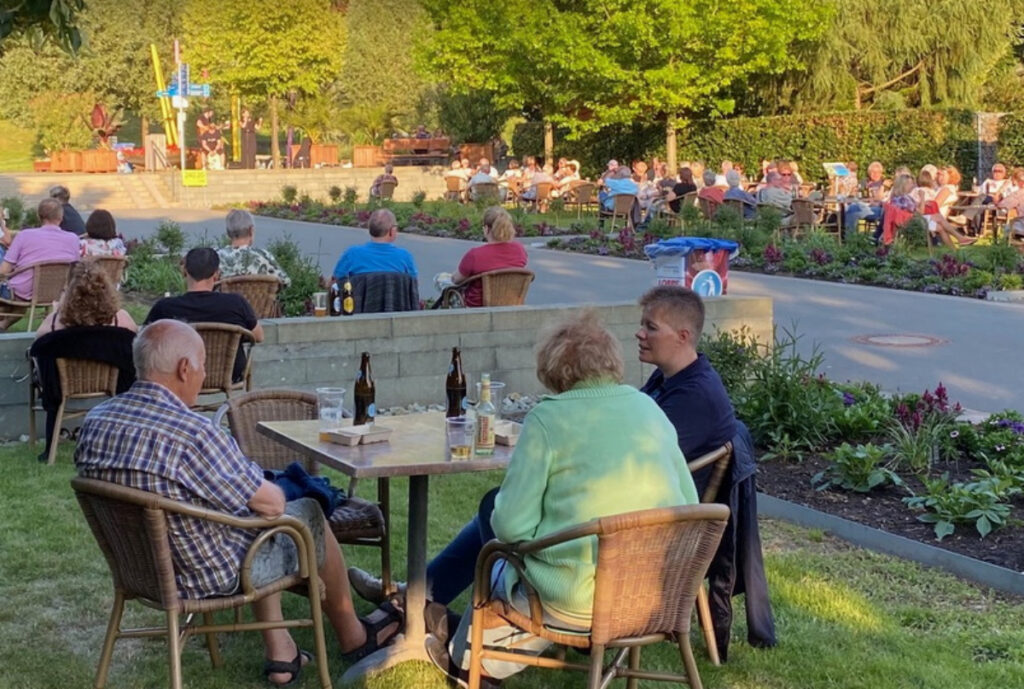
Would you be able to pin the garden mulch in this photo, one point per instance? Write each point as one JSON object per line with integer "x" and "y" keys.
{"x": 883, "y": 509}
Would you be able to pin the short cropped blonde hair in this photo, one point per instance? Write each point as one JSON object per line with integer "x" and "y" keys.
{"x": 578, "y": 349}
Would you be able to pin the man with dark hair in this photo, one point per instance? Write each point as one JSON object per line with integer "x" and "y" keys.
{"x": 45, "y": 243}
{"x": 379, "y": 254}
{"x": 72, "y": 221}
{"x": 200, "y": 304}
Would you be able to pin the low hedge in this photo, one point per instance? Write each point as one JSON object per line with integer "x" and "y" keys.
{"x": 1011, "y": 139}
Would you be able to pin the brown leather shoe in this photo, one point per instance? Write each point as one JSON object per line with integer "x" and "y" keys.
{"x": 369, "y": 587}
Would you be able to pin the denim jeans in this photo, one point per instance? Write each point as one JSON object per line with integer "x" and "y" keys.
{"x": 858, "y": 211}
{"x": 451, "y": 572}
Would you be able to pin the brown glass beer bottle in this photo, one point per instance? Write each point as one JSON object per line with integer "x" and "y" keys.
{"x": 365, "y": 393}
{"x": 455, "y": 386}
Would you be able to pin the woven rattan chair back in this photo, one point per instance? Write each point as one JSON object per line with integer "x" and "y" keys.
{"x": 48, "y": 281}
{"x": 221, "y": 341}
{"x": 689, "y": 199}
{"x": 245, "y": 411}
{"x": 113, "y": 266}
{"x": 259, "y": 290}
{"x": 803, "y": 214}
{"x": 514, "y": 186}
{"x": 584, "y": 194}
{"x": 649, "y": 567}
{"x": 543, "y": 191}
{"x": 708, "y": 207}
{"x": 623, "y": 204}
{"x": 386, "y": 190}
{"x": 736, "y": 205}
{"x": 132, "y": 533}
{"x": 507, "y": 287}
{"x": 85, "y": 379}
{"x": 454, "y": 186}
{"x": 485, "y": 191}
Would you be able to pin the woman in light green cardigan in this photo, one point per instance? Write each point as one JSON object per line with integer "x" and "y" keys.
{"x": 594, "y": 448}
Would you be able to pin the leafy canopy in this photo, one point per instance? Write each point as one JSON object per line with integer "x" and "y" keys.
{"x": 40, "y": 21}
{"x": 264, "y": 47}
{"x": 591, "y": 63}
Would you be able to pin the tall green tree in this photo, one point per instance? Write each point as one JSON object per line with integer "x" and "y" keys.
{"x": 40, "y": 21}
{"x": 265, "y": 48}
{"x": 895, "y": 53}
{"x": 591, "y": 63}
{"x": 379, "y": 70}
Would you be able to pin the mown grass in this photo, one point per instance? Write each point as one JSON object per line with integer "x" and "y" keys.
{"x": 16, "y": 147}
{"x": 847, "y": 618}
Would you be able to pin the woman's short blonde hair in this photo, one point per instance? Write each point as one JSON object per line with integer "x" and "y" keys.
{"x": 953, "y": 176}
{"x": 578, "y": 349}
{"x": 502, "y": 229}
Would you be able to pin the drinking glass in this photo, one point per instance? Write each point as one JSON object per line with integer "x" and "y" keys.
{"x": 319, "y": 304}
{"x": 459, "y": 432}
{"x": 497, "y": 395}
{"x": 329, "y": 403}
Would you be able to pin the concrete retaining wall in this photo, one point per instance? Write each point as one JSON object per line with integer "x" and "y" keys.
{"x": 410, "y": 351}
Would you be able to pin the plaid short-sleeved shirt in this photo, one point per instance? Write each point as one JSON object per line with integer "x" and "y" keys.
{"x": 146, "y": 438}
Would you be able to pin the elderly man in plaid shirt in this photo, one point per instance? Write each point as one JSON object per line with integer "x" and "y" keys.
{"x": 148, "y": 438}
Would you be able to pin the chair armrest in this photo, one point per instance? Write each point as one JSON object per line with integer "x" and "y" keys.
{"x": 709, "y": 458}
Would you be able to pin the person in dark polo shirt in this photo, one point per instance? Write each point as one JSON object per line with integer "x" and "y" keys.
{"x": 200, "y": 304}
{"x": 72, "y": 221}
{"x": 686, "y": 386}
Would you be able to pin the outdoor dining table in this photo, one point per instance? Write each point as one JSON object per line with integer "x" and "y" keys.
{"x": 416, "y": 448}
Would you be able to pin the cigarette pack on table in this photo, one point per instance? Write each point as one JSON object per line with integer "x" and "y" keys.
{"x": 507, "y": 433}
{"x": 356, "y": 435}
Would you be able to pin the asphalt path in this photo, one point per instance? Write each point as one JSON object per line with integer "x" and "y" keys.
{"x": 973, "y": 345}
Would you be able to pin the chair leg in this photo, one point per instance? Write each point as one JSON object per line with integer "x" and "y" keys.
{"x": 689, "y": 663}
{"x": 174, "y": 649}
{"x": 113, "y": 628}
{"x": 55, "y": 440}
{"x": 319, "y": 641}
{"x": 596, "y": 667}
{"x": 634, "y": 664}
{"x": 476, "y": 647}
{"x": 211, "y": 642}
{"x": 704, "y": 615}
{"x": 384, "y": 498}
{"x": 31, "y": 409}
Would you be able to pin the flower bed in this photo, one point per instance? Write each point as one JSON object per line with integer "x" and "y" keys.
{"x": 902, "y": 463}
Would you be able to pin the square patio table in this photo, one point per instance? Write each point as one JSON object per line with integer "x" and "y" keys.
{"x": 417, "y": 449}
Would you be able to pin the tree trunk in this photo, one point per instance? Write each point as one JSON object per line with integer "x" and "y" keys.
{"x": 549, "y": 143}
{"x": 275, "y": 146}
{"x": 670, "y": 144}
{"x": 144, "y": 128}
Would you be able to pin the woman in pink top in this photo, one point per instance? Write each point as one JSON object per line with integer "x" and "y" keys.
{"x": 499, "y": 252}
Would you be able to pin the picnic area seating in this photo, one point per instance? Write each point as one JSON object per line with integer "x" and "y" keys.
{"x": 48, "y": 281}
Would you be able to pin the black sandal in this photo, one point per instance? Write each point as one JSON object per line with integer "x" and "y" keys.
{"x": 382, "y": 625}
{"x": 280, "y": 667}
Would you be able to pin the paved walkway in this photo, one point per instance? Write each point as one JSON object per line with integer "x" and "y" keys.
{"x": 976, "y": 343}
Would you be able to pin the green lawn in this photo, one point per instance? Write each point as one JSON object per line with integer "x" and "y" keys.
{"x": 16, "y": 146}
{"x": 846, "y": 618}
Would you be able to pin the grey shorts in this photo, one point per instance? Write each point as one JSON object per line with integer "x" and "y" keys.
{"x": 279, "y": 556}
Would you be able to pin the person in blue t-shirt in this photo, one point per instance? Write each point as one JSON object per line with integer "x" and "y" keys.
{"x": 379, "y": 254}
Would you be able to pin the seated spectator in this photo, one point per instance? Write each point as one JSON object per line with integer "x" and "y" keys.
{"x": 421, "y": 132}
{"x": 456, "y": 171}
{"x": 925, "y": 191}
{"x": 610, "y": 169}
{"x": 241, "y": 257}
{"x": 148, "y": 439}
{"x": 72, "y": 219}
{"x": 685, "y": 185}
{"x": 1014, "y": 202}
{"x": 89, "y": 299}
{"x": 500, "y": 251}
{"x": 485, "y": 174}
{"x": 529, "y": 168}
{"x": 567, "y": 469}
{"x": 200, "y": 304}
{"x": 42, "y": 244}
{"x": 873, "y": 189}
{"x": 388, "y": 176}
{"x": 777, "y": 194}
{"x": 101, "y": 236}
{"x": 542, "y": 176}
{"x": 380, "y": 253}
{"x": 736, "y": 193}
{"x": 511, "y": 172}
{"x": 620, "y": 182}
{"x": 570, "y": 177}
{"x": 6, "y": 237}
{"x": 711, "y": 192}
{"x": 697, "y": 168}
{"x": 900, "y": 208}
{"x": 847, "y": 186}
{"x": 790, "y": 172}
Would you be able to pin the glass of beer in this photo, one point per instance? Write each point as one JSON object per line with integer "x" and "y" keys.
{"x": 319, "y": 304}
{"x": 459, "y": 431}
{"x": 329, "y": 406}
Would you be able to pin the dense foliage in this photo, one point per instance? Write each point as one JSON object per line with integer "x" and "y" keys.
{"x": 1011, "y": 138}
{"x": 42, "y": 20}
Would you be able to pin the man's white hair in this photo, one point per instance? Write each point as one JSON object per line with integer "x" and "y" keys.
{"x": 160, "y": 345}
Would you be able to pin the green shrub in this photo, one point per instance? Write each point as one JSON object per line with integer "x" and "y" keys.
{"x": 1009, "y": 281}
{"x": 150, "y": 273}
{"x": 977, "y": 279}
{"x": 998, "y": 258}
{"x": 304, "y": 274}
{"x": 334, "y": 193}
{"x": 418, "y": 198}
{"x": 1011, "y": 139}
{"x": 865, "y": 413}
{"x": 171, "y": 238}
{"x": 856, "y": 468}
{"x": 289, "y": 193}
{"x": 732, "y": 353}
{"x": 15, "y": 208}
{"x": 980, "y": 502}
{"x": 351, "y": 196}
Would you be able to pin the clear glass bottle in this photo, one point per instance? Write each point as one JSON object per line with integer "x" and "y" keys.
{"x": 485, "y": 418}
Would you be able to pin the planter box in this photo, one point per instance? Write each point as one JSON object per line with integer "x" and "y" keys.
{"x": 365, "y": 156}
{"x": 99, "y": 160}
{"x": 323, "y": 154}
{"x": 66, "y": 161}
{"x": 41, "y": 165}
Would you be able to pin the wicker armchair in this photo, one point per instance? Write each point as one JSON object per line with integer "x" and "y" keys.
{"x": 358, "y": 521}
{"x": 48, "y": 281}
{"x": 485, "y": 192}
{"x": 708, "y": 207}
{"x": 386, "y": 190}
{"x": 131, "y": 529}
{"x": 113, "y": 266}
{"x": 505, "y": 287}
{"x": 718, "y": 461}
{"x": 222, "y": 343}
{"x": 259, "y": 290}
{"x": 582, "y": 195}
{"x": 649, "y": 566}
{"x": 622, "y": 207}
{"x": 80, "y": 379}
